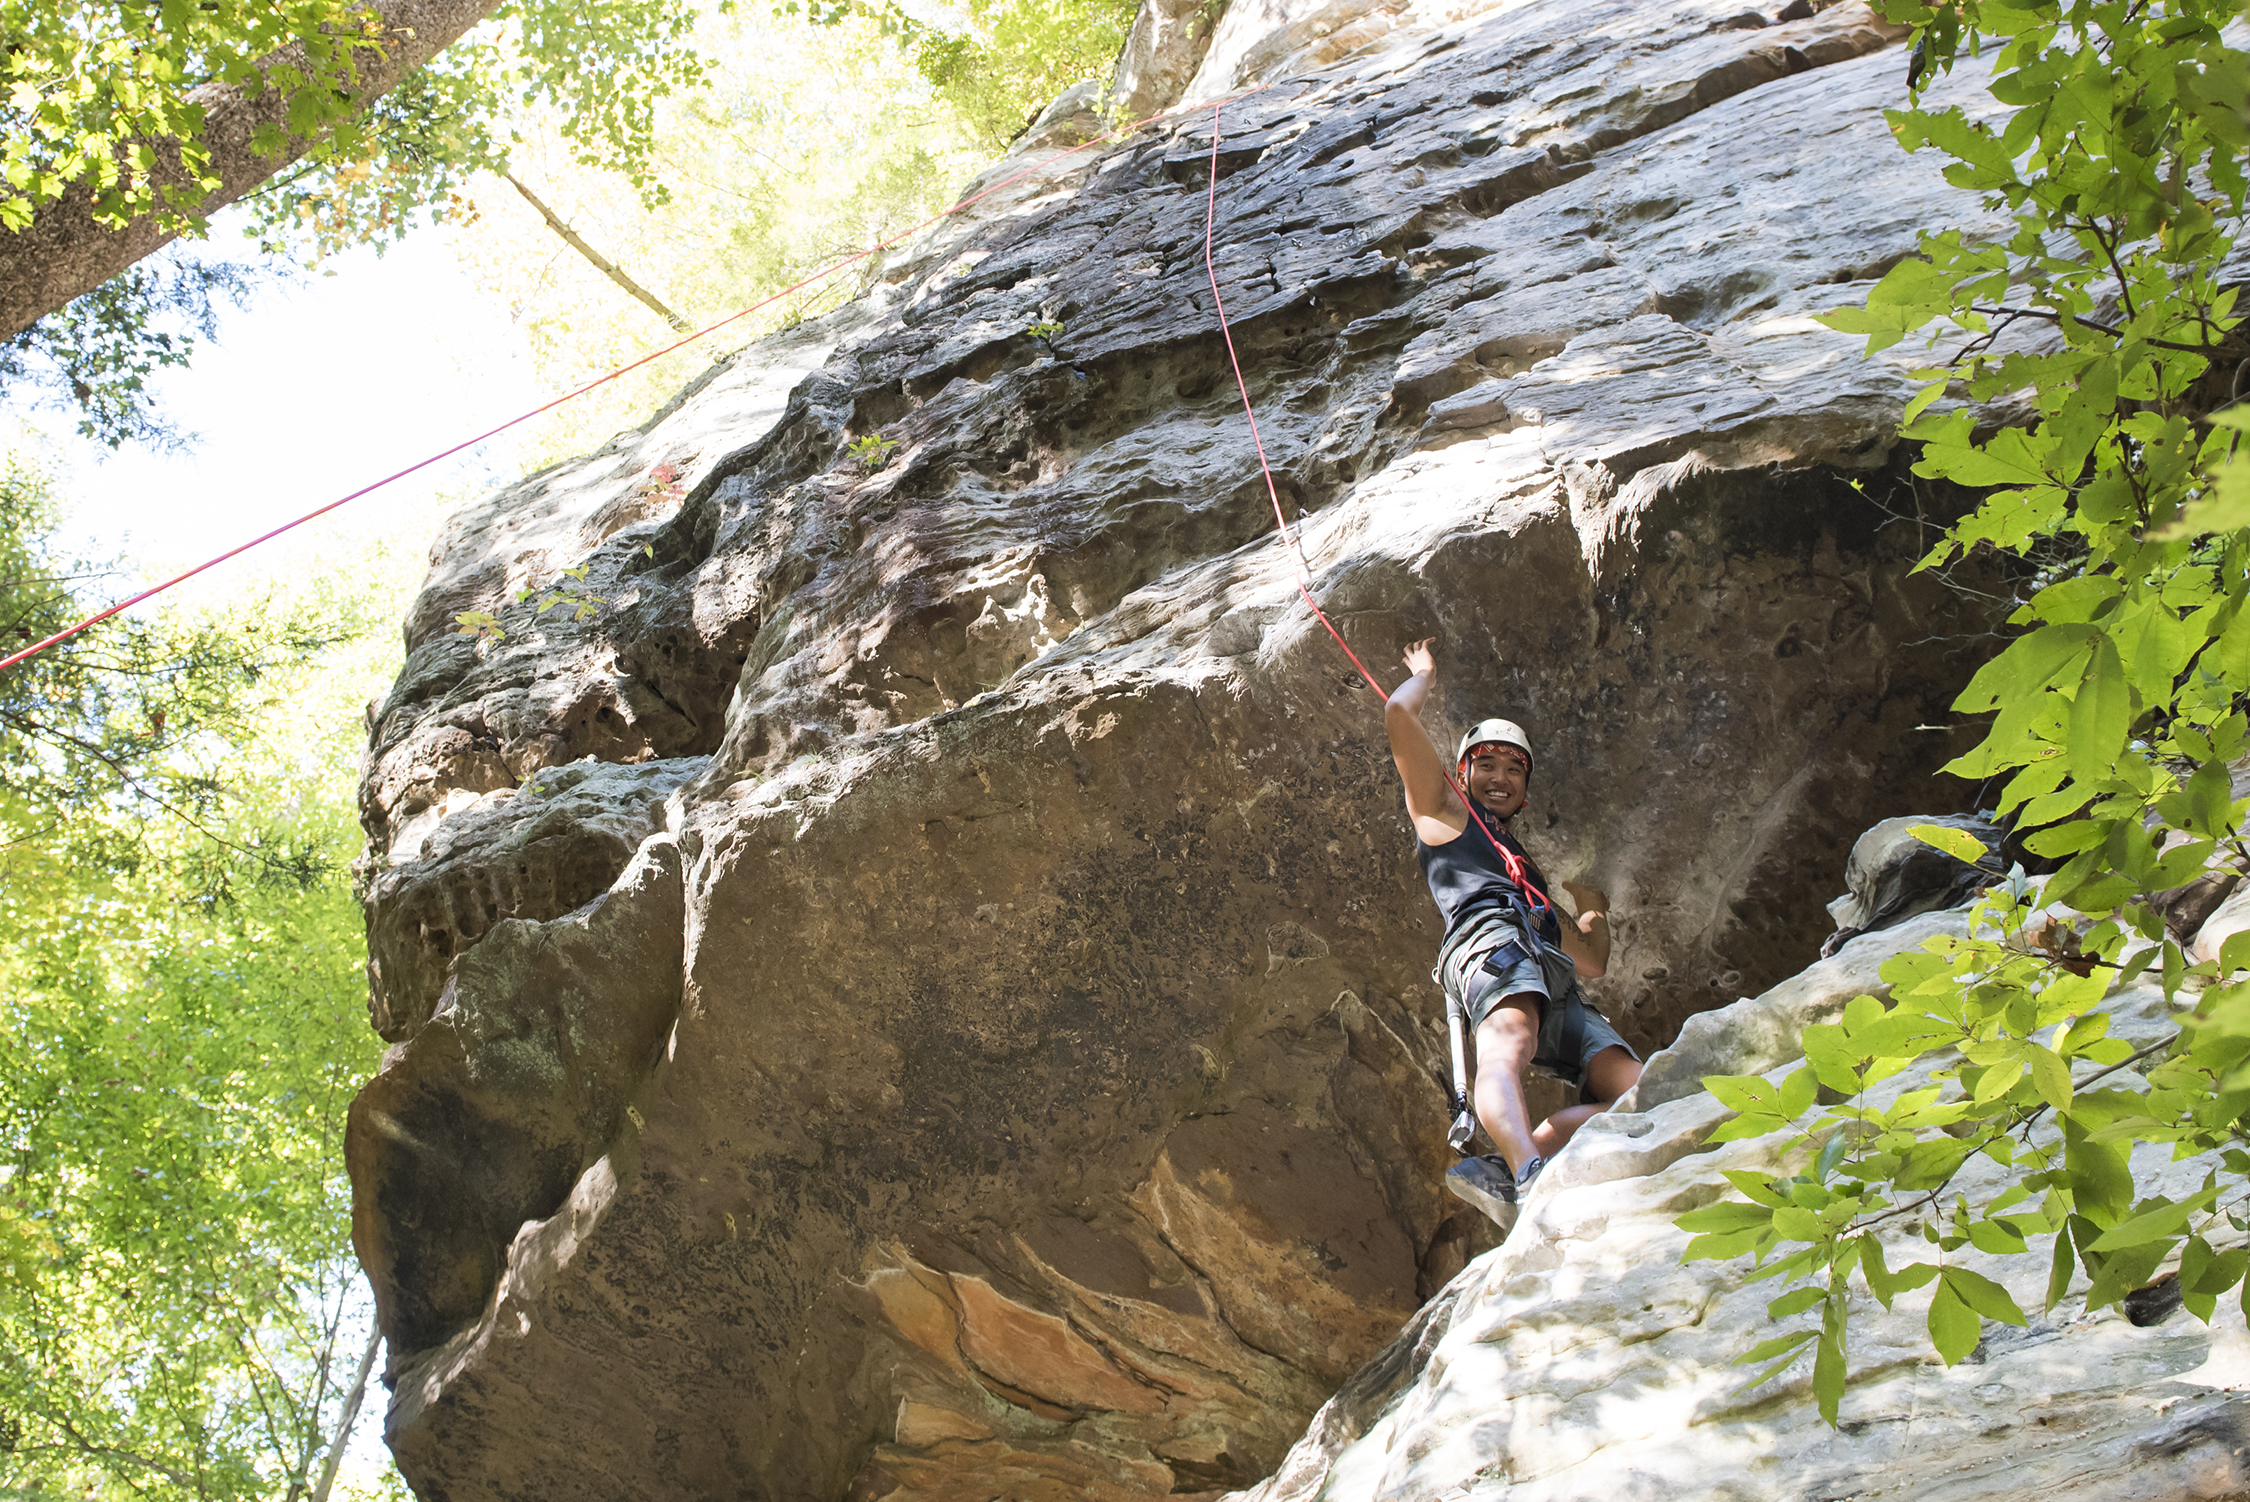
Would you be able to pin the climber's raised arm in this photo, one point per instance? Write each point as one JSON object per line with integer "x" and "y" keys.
{"x": 1439, "y": 816}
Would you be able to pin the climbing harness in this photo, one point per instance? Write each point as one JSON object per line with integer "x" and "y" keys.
{"x": 1464, "y": 1118}
{"x": 708, "y": 329}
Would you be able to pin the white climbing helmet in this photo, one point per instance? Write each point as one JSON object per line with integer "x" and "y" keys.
{"x": 1495, "y": 733}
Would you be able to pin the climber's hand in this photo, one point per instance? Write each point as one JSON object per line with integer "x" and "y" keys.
{"x": 1591, "y": 903}
{"x": 1419, "y": 661}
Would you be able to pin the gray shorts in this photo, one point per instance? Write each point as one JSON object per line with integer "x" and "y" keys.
{"x": 1571, "y": 1033}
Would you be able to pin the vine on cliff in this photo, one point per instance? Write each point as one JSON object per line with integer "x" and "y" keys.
{"x": 2115, "y": 713}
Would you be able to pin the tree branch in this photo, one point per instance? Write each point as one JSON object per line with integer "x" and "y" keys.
{"x": 1935, "y": 1194}
{"x": 2227, "y": 342}
{"x": 601, "y": 263}
{"x": 64, "y": 254}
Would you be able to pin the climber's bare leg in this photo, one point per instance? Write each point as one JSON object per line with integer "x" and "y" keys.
{"x": 1609, "y": 1074}
{"x": 1506, "y": 1040}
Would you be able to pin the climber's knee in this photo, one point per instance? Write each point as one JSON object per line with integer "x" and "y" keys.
{"x": 1610, "y": 1074}
{"x": 1553, "y": 1135}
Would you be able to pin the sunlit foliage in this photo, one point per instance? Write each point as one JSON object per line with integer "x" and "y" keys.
{"x": 809, "y": 142}
{"x": 182, "y": 1021}
{"x": 2115, "y": 713}
{"x": 101, "y": 94}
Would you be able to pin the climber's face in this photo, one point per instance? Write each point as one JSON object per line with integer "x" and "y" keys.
{"x": 1499, "y": 778}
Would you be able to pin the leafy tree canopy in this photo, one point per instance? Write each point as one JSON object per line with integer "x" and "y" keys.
{"x": 109, "y": 101}
{"x": 104, "y": 97}
{"x": 1014, "y": 57}
{"x": 104, "y": 92}
{"x": 2114, "y": 715}
{"x": 96, "y": 355}
{"x": 181, "y": 1026}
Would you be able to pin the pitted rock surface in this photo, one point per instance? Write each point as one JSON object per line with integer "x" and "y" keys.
{"x": 965, "y": 1028}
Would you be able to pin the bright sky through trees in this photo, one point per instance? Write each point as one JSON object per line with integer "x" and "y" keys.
{"x": 284, "y": 425}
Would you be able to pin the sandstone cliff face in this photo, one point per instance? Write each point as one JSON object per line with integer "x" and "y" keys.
{"x": 926, "y": 994}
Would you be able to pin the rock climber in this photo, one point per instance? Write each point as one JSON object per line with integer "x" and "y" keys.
{"x": 1509, "y": 960}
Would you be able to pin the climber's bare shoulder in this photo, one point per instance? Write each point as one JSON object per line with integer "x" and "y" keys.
{"x": 1444, "y": 827}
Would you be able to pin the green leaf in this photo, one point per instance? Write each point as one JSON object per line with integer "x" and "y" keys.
{"x": 1797, "y": 1224}
{"x": 1780, "y": 1345}
{"x": 1726, "y": 1215}
{"x": 2123, "y": 1272}
{"x": 2078, "y": 599}
{"x": 2099, "y": 716}
{"x": 1983, "y": 1295}
{"x": 1831, "y": 1154}
{"x": 1994, "y": 1237}
{"x": 1795, "y": 1302}
{"x": 2060, "y": 1271}
{"x": 2221, "y": 1273}
{"x": 2152, "y": 642}
{"x": 1883, "y": 1283}
{"x": 1958, "y": 843}
{"x": 2210, "y": 799}
{"x": 2223, "y": 507}
{"x": 2050, "y": 1076}
{"x": 1798, "y": 1092}
{"x": 1781, "y": 1352}
{"x": 2099, "y": 1179}
{"x": 1828, "y": 1361}
{"x": 1724, "y": 1246}
{"x": 1954, "y": 1327}
{"x": 1742, "y": 1092}
{"x": 1930, "y": 1163}
{"x": 1756, "y": 1186}
{"x": 2162, "y": 1222}
{"x": 2083, "y": 1033}
{"x": 1997, "y": 1081}
{"x": 1751, "y": 1124}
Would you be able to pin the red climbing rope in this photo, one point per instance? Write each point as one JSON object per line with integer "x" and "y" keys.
{"x": 1508, "y": 858}
{"x": 908, "y": 233}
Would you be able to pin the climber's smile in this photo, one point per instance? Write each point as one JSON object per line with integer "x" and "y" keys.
{"x": 1499, "y": 778}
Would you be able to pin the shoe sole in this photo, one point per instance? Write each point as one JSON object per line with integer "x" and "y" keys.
{"x": 1472, "y": 1182}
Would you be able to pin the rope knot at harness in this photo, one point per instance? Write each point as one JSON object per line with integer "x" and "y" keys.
{"x": 1518, "y": 871}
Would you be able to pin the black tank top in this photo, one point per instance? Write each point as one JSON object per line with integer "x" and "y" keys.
{"x": 1467, "y": 876}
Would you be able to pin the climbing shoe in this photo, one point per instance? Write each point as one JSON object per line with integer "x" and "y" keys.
{"x": 1487, "y": 1184}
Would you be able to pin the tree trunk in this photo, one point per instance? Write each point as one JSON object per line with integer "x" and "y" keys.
{"x": 63, "y": 253}
{"x": 350, "y": 1414}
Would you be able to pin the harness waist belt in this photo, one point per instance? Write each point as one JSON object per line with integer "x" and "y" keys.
{"x": 1486, "y": 929}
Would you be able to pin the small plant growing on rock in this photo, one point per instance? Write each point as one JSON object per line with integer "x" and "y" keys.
{"x": 1046, "y": 332}
{"x": 566, "y": 593}
{"x": 479, "y": 625}
{"x": 664, "y": 484}
{"x": 872, "y": 452}
{"x": 562, "y": 595}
